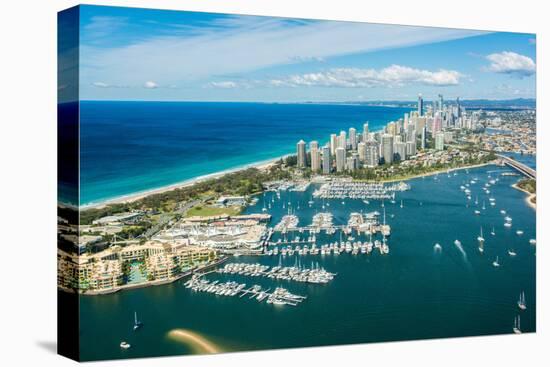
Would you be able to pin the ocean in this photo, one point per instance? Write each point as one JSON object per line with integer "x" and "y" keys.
{"x": 414, "y": 292}
{"x": 131, "y": 147}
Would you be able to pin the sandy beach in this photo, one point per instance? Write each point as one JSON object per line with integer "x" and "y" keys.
{"x": 198, "y": 343}
{"x": 263, "y": 165}
{"x": 528, "y": 197}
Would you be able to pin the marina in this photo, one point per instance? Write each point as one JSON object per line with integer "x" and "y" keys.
{"x": 315, "y": 274}
{"x": 379, "y": 289}
{"x": 280, "y": 296}
{"x": 359, "y": 190}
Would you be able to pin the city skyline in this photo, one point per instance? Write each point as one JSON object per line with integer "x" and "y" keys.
{"x": 142, "y": 54}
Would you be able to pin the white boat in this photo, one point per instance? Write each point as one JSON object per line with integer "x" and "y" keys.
{"x": 496, "y": 264}
{"x": 437, "y": 247}
{"x": 124, "y": 345}
{"x": 137, "y": 323}
{"x": 458, "y": 243}
{"x": 517, "y": 325}
{"x": 519, "y": 232}
{"x": 503, "y": 212}
{"x": 511, "y": 252}
{"x": 507, "y": 224}
{"x": 480, "y": 237}
{"x": 521, "y": 302}
{"x": 532, "y": 241}
{"x": 493, "y": 231}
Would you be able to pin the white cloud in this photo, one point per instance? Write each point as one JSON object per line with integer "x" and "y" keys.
{"x": 508, "y": 62}
{"x": 392, "y": 76}
{"x": 101, "y": 85}
{"x": 224, "y": 85}
{"x": 244, "y": 45}
{"x": 103, "y": 26}
{"x": 150, "y": 85}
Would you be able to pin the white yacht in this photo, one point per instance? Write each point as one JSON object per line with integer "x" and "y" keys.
{"x": 521, "y": 302}
{"x": 496, "y": 264}
{"x": 519, "y": 232}
{"x": 137, "y": 323}
{"x": 517, "y": 325}
{"x": 124, "y": 345}
{"x": 511, "y": 252}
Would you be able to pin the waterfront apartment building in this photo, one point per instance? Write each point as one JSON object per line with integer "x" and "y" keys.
{"x": 371, "y": 155}
{"x": 366, "y": 131}
{"x": 362, "y": 151}
{"x": 353, "y": 138}
{"x": 301, "y": 154}
{"x": 400, "y": 151}
{"x": 387, "y": 148}
{"x": 333, "y": 143}
{"x": 340, "y": 159}
{"x": 411, "y": 148}
{"x": 439, "y": 141}
{"x": 342, "y": 140}
{"x": 326, "y": 160}
{"x": 315, "y": 156}
{"x": 108, "y": 270}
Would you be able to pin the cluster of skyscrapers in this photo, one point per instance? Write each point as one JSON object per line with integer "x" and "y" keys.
{"x": 398, "y": 141}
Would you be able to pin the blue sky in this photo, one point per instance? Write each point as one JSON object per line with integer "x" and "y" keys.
{"x": 142, "y": 54}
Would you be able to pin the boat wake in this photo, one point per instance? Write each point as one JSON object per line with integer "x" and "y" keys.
{"x": 461, "y": 249}
{"x": 195, "y": 341}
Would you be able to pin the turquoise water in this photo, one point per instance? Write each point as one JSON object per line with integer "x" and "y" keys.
{"x": 411, "y": 293}
{"x": 130, "y": 147}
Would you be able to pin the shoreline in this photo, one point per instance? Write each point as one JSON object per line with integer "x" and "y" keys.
{"x": 427, "y": 174}
{"x": 262, "y": 165}
{"x": 529, "y": 196}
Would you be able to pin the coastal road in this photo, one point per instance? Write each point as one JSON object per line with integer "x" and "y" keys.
{"x": 165, "y": 218}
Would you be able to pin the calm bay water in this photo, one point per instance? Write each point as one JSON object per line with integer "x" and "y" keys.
{"x": 411, "y": 293}
{"x": 129, "y": 147}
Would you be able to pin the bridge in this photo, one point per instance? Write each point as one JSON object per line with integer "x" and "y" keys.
{"x": 520, "y": 167}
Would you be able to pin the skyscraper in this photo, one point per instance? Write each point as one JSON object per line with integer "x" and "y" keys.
{"x": 440, "y": 102}
{"x": 400, "y": 151}
{"x": 366, "y": 131}
{"x": 333, "y": 144}
{"x": 353, "y": 138}
{"x": 423, "y": 137}
{"x": 301, "y": 154}
{"x": 420, "y": 105}
{"x": 362, "y": 151}
{"x": 326, "y": 159}
{"x": 437, "y": 124}
{"x": 439, "y": 141}
{"x": 372, "y": 156}
{"x": 387, "y": 148}
{"x": 342, "y": 140}
{"x": 340, "y": 159}
{"x": 411, "y": 148}
{"x": 315, "y": 156}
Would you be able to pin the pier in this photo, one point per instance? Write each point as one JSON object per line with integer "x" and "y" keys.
{"x": 315, "y": 274}
{"x": 280, "y": 296}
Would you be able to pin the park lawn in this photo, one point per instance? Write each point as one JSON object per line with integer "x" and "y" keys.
{"x": 206, "y": 211}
